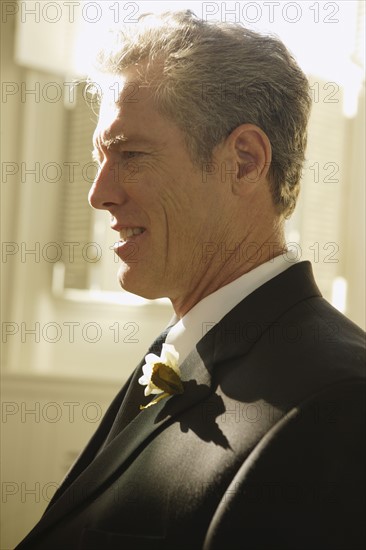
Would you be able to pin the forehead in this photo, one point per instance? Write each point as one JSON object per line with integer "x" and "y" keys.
{"x": 126, "y": 106}
{"x": 128, "y": 113}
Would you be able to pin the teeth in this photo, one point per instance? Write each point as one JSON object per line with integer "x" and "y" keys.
{"x": 129, "y": 231}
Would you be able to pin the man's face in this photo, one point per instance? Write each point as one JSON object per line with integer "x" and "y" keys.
{"x": 163, "y": 208}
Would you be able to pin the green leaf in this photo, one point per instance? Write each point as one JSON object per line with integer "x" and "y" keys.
{"x": 166, "y": 379}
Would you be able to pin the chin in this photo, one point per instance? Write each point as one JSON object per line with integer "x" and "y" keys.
{"x": 131, "y": 281}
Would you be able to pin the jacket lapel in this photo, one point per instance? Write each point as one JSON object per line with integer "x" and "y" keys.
{"x": 261, "y": 312}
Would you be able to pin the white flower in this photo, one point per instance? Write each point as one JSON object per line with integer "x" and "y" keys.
{"x": 161, "y": 375}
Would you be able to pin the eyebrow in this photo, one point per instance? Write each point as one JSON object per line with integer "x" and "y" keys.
{"x": 117, "y": 140}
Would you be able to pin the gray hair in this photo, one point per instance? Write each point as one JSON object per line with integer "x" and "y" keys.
{"x": 216, "y": 76}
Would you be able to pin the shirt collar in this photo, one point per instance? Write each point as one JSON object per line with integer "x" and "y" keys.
{"x": 189, "y": 330}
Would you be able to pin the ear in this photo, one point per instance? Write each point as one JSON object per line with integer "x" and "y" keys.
{"x": 251, "y": 151}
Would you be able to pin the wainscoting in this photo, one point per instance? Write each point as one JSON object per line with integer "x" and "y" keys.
{"x": 45, "y": 423}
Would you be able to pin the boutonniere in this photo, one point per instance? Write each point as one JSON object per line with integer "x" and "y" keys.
{"x": 161, "y": 375}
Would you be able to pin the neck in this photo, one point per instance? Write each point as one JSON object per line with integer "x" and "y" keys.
{"x": 223, "y": 264}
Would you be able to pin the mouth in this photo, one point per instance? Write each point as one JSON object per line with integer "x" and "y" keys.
{"x": 127, "y": 232}
{"x": 128, "y": 245}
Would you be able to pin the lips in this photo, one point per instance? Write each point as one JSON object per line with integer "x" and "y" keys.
{"x": 128, "y": 247}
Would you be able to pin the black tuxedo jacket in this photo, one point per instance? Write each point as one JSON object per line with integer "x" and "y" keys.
{"x": 265, "y": 449}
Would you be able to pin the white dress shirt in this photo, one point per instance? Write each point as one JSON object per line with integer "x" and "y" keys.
{"x": 189, "y": 330}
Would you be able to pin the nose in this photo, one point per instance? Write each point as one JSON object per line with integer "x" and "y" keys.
{"x": 106, "y": 191}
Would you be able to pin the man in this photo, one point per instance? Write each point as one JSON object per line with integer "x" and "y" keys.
{"x": 253, "y": 437}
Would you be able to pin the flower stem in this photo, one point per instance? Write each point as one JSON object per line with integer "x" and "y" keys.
{"x": 154, "y": 401}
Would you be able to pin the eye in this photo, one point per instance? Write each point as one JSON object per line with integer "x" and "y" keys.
{"x": 130, "y": 154}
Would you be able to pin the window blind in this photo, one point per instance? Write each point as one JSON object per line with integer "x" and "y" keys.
{"x": 76, "y": 214}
